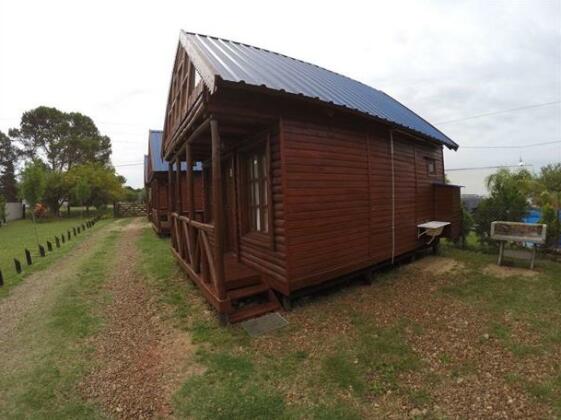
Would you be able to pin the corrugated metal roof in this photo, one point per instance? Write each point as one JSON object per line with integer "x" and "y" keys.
{"x": 155, "y": 138}
{"x": 242, "y": 63}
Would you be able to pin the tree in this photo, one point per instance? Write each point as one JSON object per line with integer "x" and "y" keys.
{"x": 81, "y": 191}
{"x": 547, "y": 194}
{"x": 57, "y": 190}
{"x": 8, "y": 157}
{"x": 105, "y": 185}
{"x": 33, "y": 186}
{"x": 61, "y": 139}
{"x": 508, "y": 200}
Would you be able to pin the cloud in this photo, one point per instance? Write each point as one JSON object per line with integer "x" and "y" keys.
{"x": 445, "y": 60}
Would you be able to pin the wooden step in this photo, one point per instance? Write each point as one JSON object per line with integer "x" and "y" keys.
{"x": 247, "y": 291}
{"x": 241, "y": 282}
{"x": 253, "y": 311}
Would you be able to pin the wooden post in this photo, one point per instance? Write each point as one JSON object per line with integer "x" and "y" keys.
{"x": 178, "y": 185}
{"x": 501, "y": 251}
{"x": 170, "y": 191}
{"x": 217, "y": 210}
{"x": 190, "y": 185}
{"x": 18, "y": 265}
{"x": 533, "y": 259}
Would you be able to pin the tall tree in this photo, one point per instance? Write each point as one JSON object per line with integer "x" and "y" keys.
{"x": 57, "y": 189}
{"x": 33, "y": 186}
{"x": 105, "y": 186}
{"x": 61, "y": 139}
{"x": 8, "y": 157}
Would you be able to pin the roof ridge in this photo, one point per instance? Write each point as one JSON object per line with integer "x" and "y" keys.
{"x": 280, "y": 54}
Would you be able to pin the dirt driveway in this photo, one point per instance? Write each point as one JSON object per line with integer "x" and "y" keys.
{"x": 137, "y": 359}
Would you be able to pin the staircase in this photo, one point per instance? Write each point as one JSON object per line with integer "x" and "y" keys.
{"x": 249, "y": 294}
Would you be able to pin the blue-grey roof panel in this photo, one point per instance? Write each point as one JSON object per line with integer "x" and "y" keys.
{"x": 155, "y": 144}
{"x": 242, "y": 63}
{"x": 155, "y": 139}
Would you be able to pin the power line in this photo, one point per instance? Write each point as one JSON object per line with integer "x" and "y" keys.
{"x": 484, "y": 167}
{"x": 521, "y": 146}
{"x": 504, "y": 111}
{"x": 129, "y": 164}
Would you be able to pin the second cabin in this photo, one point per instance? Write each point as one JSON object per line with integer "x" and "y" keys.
{"x": 308, "y": 176}
{"x": 157, "y": 180}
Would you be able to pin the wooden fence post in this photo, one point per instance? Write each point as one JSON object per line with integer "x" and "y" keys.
{"x": 18, "y": 265}
{"x": 28, "y": 257}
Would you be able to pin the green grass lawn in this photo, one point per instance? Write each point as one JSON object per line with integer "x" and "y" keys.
{"x": 359, "y": 352}
{"x": 54, "y": 352}
{"x": 20, "y": 234}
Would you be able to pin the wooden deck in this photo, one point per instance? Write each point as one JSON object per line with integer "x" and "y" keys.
{"x": 238, "y": 274}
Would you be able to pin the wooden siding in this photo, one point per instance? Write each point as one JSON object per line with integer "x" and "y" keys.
{"x": 448, "y": 208}
{"x": 328, "y": 198}
{"x": 198, "y": 183}
{"x": 380, "y": 183}
{"x": 339, "y": 197}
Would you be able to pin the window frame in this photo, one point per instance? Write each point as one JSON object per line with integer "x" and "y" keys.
{"x": 431, "y": 161}
{"x": 262, "y": 147}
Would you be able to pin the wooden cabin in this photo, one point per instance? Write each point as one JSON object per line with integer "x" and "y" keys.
{"x": 156, "y": 181}
{"x": 309, "y": 176}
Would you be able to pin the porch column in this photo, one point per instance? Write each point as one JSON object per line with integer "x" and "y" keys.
{"x": 217, "y": 210}
{"x": 170, "y": 190}
{"x": 178, "y": 185}
{"x": 190, "y": 183}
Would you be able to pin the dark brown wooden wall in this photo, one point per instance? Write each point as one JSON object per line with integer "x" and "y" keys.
{"x": 448, "y": 208}
{"x": 339, "y": 197}
{"x": 198, "y": 183}
{"x": 327, "y": 198}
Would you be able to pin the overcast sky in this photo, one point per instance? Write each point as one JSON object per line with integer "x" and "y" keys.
{"x": 446, "y": 60}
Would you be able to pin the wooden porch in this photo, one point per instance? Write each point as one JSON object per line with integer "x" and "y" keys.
{"x": 237, "y": 291}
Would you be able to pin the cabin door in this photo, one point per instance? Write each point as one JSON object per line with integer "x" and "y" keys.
{"x": 229, "y": 203}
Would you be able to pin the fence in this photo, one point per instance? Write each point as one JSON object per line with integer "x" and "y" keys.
{"x": 126, "y": 209}
{"x": 51, "y": 245}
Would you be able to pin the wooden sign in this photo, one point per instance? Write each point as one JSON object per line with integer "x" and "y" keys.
{"x": 518, "y": 232}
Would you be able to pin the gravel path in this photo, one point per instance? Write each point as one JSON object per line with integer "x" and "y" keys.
{"x": 140, "y": 360}
{"x": 39, "y": 290}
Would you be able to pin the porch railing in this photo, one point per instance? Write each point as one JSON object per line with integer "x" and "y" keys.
{"x": 191, "y": 241}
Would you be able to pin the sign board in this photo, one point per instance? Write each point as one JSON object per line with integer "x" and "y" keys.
{"x": 518, "y": 232}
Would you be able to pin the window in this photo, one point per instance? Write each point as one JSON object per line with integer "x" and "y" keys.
{"x": 431, "y": 166}
{"x": 257, "y": 199}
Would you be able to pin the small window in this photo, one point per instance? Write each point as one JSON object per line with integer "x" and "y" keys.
{"x": 431, "y": 166}
{"x": 257, "y": 199}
